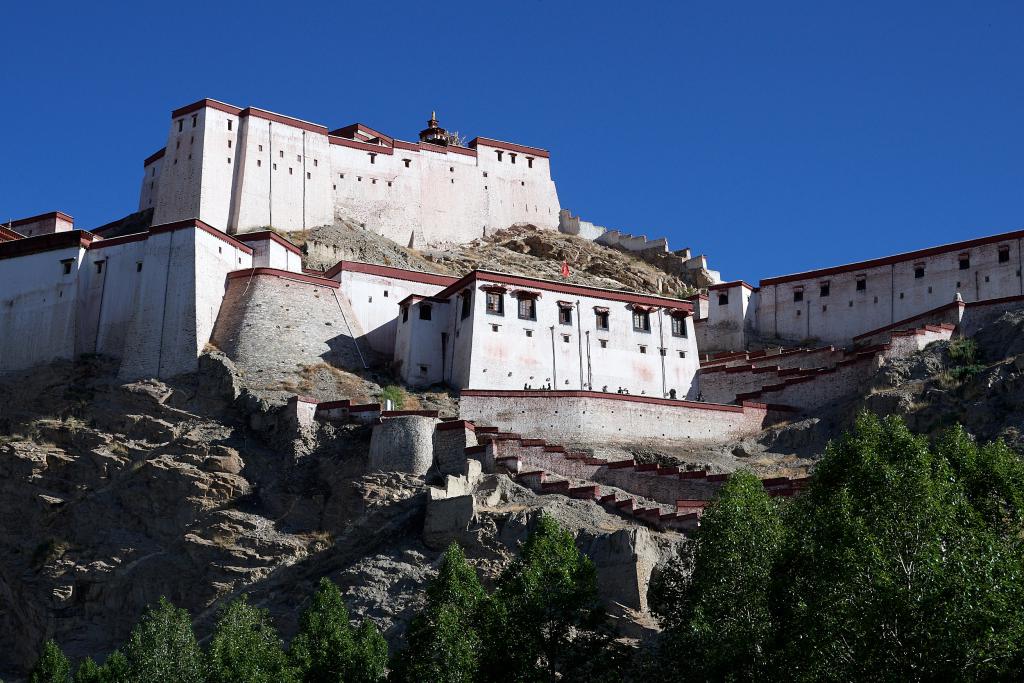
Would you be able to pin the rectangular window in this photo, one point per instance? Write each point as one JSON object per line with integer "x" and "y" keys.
{"x": 565, "y": 338}
{"x": 495, "y": 303}
{"x": 407, "y": 162}
{"x": 601, "y": 319}
{"x": 965, "y": 262}
{"x": 308, "y": 175}
{"x": 824, "y": 289}
{"x": 229, "y": 144}
{"x": 643, "y": 349}
{"x": 641, "y": 321}
{"x": 181, "y": 122}
{"x": 678, "y": 326}
{"x": 99, "y": 267}
{"x": 260, "y": 147}
{"x": 527, "y": 308}
{"x": 529, "y": 161}
{"x": 662, "y": 351}
{"x": 604, "y": 343}
{"x": 195, "y": 118}
{"x": 919, "y": 271}
{"x": 682, "y": 354}
{"x": 723, "y": 299}
{"x": 259, "y": 163}
{"x": 425, "y": 312}
{"x": 66, "y": 266}
{"x": 229, "y": 124}
{"x": 564, "y": 315}
{"x": 862, "y": 284}
{"x": 798, "y": 295}
{"x": 298, "y": 158}
{"x": 405, "y": 314}
{"x": 467, "y": 304}
{"x": 138, "y": 266}
{"x": 1004, "y": 254}
{"x": 529, "y": 333}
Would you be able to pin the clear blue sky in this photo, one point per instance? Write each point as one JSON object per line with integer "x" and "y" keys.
{"x": 775, "y": 137}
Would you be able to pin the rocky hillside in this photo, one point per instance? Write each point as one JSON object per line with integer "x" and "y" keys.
{"x": 520, "y": 250}
{"x": 112, "y": 495}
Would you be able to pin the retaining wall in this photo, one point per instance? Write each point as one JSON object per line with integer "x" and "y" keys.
{"x": 592, "y": 417}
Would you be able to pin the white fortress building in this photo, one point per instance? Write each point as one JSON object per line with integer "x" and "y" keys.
{"x": 523, "y": 352}
{"x": 247, "y": 169}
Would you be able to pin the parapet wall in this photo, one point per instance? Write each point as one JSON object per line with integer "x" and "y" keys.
{"x": 273, "y": 323}
{"x": 592, "y": 417}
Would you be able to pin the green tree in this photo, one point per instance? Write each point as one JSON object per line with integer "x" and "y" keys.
{"x": 89, "y": 672}
{"x": 162, "y": 647}
{"x": 369, "y": 655}
{"x": 52, "y": 666}
{"x": 544, "y": 621}
{"x": 326, "y": 651}
{"x": 246, "y": 647}
{"x": 713, "y": 602}
{"x": 904, "y": 561}
{"x": 443, "y": 642}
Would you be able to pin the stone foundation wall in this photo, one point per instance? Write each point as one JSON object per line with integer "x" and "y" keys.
{"x": 273, "y": 323}
{"x": 592, "y": 417}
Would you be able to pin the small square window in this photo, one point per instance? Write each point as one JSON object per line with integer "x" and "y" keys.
{"x": 918, "y": 272}
{"x": 723, "y": 299}
{"x": 824, "y": 289}
{"x": 682, "y": 354}
{"x": 425, "y": 312}
{"x": 423, "y": 369}
{"x": 66, "y": 267}
{"x": 565, "y": 338}
{"x": 798, "y": 312}
{"x": 965, "y": 262}
{"x": 494, "y": 328}
{"x": 407, "y": 162}
{"x": 529, "y": 333}
{"x": 643, "y": 349}
{"x": 663, "y": 351}
{"x": 604, "y": 343}
{"x": 798, "y": 295}
{"x": 862, "y": 284}
{"x": 99, "y": 267}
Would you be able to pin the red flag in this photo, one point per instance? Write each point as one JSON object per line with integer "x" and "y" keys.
{"x": 565, "y": 268}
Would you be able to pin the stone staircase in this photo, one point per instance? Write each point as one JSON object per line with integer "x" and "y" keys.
{"x": 807, "y": 378}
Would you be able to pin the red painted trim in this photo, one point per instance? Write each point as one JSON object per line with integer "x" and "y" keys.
{"x": 993, "y": 302}
{"x": 286, "y": 120}
{"x": 422, "y": 297}
{"x": 268, "y": 235}
{"x": 897, "y": 258}
{"x": 409, "y": 413}
{"x": 456, "y": 424}
{"x": 200, "y": 225}
{"x": 303, "y": 399}
{"x": 203, "y": 103}
{"x": 579, "y": 290}
{"x": 285, "y": 275}
{"x": 388, "y": 271}
{"x": 899, "y": 323}
{"x": 10, "y": 234}
{"x": 509, "y": 146}
{"x": 356, "y": 144}
{"x": 41, "y": 217}
{"x": 159, "y": 154}
{"x": 331, "y": 405}
{"x": 123, "y": 239}
{"x": 44, "y": 243}
{"x": 409, "y": 146}
{"x": 502, "y": 393}
{"x": 730, "y": 285}
{"x": 353, "y": 128}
